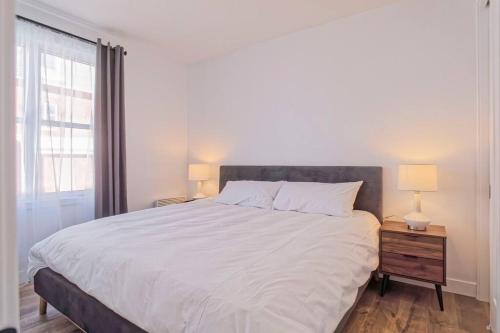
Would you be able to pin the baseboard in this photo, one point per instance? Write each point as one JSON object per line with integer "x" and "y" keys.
{"x": 456, "y": 286}
{"x": 493, "y": 315}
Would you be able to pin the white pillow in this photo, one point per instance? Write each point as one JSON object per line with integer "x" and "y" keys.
{"x": 335, "y": 199}
{"x": 249, "y": 193}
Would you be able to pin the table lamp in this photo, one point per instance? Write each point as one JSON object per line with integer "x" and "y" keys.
{"x": 417, "y": 178}
{"x": 199, "y": 173}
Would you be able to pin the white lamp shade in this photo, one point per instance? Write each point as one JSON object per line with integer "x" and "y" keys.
{"x": 199, "y": 172}
{"x": 417, "y": 177}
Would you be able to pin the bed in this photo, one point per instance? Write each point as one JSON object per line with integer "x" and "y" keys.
{"x": 207, "y": 267}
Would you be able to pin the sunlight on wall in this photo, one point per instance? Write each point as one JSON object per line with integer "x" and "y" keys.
{"x": 211, "y": 153}
{"x": 392, "y": 148}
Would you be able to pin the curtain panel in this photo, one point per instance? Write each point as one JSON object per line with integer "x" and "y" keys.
{"x": 109, "y": 144}
{"x": 55, "y": 77}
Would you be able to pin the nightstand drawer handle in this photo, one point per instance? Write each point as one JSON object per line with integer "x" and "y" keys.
{"x": 412, "y": 237}
{"x": 409, "y": 256}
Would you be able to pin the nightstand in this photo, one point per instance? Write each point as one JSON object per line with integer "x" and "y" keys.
{"x": 171, "y": 201}
{"x": 417, "y": 255}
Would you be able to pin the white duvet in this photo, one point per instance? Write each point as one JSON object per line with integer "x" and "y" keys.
{"x": 208, "y": 267}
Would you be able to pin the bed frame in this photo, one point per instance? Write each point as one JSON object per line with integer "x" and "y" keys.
{"x": 90, "y": 315}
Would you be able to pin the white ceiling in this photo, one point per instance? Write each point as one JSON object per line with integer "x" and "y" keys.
{"x": 196, "y": 29}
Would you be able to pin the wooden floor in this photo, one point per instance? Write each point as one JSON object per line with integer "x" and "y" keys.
{"x": 31, "y": 321}
{"x": 407, "y": 308}
{"x": 404, "y": 308}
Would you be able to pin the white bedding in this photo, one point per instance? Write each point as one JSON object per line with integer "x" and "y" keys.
{"x": 208, "y": 267}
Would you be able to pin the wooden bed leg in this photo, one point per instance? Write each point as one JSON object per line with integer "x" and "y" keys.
{"x": 43, "y": 307}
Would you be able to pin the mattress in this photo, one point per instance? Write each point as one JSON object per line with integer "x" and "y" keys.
{"x": 208, "y": 267}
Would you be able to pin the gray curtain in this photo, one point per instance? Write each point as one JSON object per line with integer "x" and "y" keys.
{"x": 109, "y": 133}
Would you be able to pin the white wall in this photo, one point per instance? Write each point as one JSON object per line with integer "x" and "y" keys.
{"x": 395, "y": 84}
{"x": 156, "y": 124}
{"x": 9, "y": 302}
{"x": 155, "y": 109}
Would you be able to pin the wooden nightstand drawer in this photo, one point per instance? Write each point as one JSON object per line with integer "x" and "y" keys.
{"x": 414, "y": 267}
{"x": 415, "y": 245}
{"x": 419, "y": 255}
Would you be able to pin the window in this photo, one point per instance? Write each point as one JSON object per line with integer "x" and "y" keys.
{"x": 58, "y": 121}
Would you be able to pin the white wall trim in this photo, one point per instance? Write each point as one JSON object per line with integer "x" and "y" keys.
{"x": 494, "y": 162}
{"x": 482, "y": 176}
{"x": 494, "y": 21}
{"x": 456, "y": 286}
{"x": 9, "y": 294}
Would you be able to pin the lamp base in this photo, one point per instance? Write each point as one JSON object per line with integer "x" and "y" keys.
{"x": 199, "y": 195}
{"x": 417, "y": 221}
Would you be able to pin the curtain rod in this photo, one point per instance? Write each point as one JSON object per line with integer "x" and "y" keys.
{"x": 58, "y": 30}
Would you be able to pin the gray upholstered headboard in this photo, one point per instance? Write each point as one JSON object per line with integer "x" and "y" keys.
{"x": 369, "y": 196}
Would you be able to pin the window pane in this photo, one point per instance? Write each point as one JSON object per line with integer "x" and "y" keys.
{"x": 83, "y": 174}
{"x": 53, "y": 71}
{"x": 19, "y": 99}
{"x": 83, "y": 77}
{"x": 55, "y": 140}
{"x": 82, "y": 110}
{"x": 19, "y": 81}
{"x": 53, "y": 106}
{"x": 56, "y": 174}
{"x": 46, "y": 175}
{"x": 19, "y": 62}
{"x": 82, "y": 142}
{"x": 58, "y": 106}
{"x": 20, "y": 180}
{"x": 66, "y": 174}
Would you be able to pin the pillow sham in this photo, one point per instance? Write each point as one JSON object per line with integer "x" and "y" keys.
{"x": 249, "y": 193}
{"x": 335, "y": 199}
